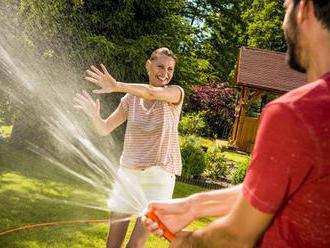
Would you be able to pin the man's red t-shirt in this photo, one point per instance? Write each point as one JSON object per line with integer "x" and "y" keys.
{"x": 289, "y": 174}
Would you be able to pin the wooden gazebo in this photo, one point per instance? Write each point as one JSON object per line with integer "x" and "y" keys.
{"x": 259, "y": 72}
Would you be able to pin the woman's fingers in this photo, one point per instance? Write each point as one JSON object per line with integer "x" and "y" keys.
{"x": 93, "y": 80}
{"x": 77, "y": 106}
{"x": 104, "y": 69}
{"x": 79, "y": 101}
{"x": 94, "y": 75}
{"x": 84, "y": 92}
{"x": 97, "y": 71}
{"x": 85, "y": 100}
{"x": 82, "y": 98}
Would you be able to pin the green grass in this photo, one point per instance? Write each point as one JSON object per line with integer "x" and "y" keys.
{"x": 5, "y": 131}
{"x": 207, "y": 142}
{"x": 32, "y": 191}
{"x": 236, "y": 157}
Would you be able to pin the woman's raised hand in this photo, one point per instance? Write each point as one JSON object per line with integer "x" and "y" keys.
{"x": 102, "y": 79}
{"x": 85, "y": 102}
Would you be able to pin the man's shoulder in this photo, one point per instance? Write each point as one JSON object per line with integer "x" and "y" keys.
{"x": 306, "y": 94}
{"x": 305, "y": 106}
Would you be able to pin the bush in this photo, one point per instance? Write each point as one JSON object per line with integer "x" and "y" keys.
{"x": 193, "y": 124}
{"x": 193, "y": 157}
{"x": 217, "y": 164}
{"x": 240, "y": 172}
{"x": 217, "y": 100}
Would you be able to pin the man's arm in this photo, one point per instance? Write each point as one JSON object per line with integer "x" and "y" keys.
{"x": 242, "y": 227}
{"x": 215, "y": 203}
{"x": 176, "y": 214}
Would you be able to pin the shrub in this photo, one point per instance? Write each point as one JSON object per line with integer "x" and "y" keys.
{"x": 217, "y": 165}
{"x": 218, "y": 102}
{"x": 193, "y": 157}
{"x": 193, "y": 124}
{"x": 240, "y": 172}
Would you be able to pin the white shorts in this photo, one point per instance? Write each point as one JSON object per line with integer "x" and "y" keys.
{"x": 135, "y": 188}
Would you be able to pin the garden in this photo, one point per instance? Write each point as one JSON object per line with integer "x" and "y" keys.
{"x": 30, "y": 188}
{"x": 47, "y": 149}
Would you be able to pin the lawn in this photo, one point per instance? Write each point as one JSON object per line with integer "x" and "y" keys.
{"x": 32, "y": 191}
{"x": 236, "y": 157}
{"x": 5, "y": 131}
{"x": 233, "y": 156}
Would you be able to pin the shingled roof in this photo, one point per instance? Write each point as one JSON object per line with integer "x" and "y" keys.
{"x": 266, "y": 70}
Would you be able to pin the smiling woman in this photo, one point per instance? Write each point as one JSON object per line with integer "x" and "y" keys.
{"x": 151, "y": 155}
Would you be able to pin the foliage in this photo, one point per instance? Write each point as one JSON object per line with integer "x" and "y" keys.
{"x": 226, "y": 34}
{"x": 217, "y": 164}
{"x": 121, "y": 34}
{"x": 193, "y": 157}
{"x": 218, "y": 102}
{"x": 230, "y": 24}
{"x": 240, "y": 172}
{"x": 205, "y": 34}
{"x": 264, "y": 25}
{"x": 193, "y": 124}
{"x": 256, "y": 107}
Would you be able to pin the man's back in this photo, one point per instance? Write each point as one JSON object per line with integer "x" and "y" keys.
{"x": 289, "y": 173}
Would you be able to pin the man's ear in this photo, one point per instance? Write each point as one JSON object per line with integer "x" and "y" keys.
{"x": 305, "y": 11}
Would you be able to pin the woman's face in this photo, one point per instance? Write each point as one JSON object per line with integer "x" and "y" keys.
{"x": 160, "y": 70}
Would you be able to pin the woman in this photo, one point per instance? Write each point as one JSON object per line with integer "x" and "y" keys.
{"x": 151, "y": 154}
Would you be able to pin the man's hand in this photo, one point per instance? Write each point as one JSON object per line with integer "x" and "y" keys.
{"x": 182, "y": 240}
{"x": 86, "y": 103}
{"x": 102, "y": 79}
{"x": 175, "y": 214}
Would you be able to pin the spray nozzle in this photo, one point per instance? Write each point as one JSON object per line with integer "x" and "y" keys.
{"x": 167, "y": 233}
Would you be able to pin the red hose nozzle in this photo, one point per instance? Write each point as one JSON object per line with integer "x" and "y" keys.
{"x": 167, "y": 233}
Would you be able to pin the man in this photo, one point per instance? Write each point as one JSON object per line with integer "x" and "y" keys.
{"x": 285, "y": 198}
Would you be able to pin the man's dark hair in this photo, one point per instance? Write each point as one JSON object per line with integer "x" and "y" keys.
{"x": 321, "y": 11}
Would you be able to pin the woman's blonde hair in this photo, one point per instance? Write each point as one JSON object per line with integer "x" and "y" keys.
{"x": 163, "y": 51}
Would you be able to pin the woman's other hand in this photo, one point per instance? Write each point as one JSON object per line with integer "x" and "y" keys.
{"x": 85, "y": 102}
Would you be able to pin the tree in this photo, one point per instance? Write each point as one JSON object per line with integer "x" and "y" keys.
{"x": 226, "y": 30}
{"x": 264, "y": 25}
{"x": 121, "y": 34}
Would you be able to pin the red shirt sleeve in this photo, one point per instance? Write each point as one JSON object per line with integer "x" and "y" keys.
{"x": 281, "y": 158}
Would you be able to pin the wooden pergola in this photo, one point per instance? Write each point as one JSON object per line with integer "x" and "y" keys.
{"x": 259, "y": 72}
